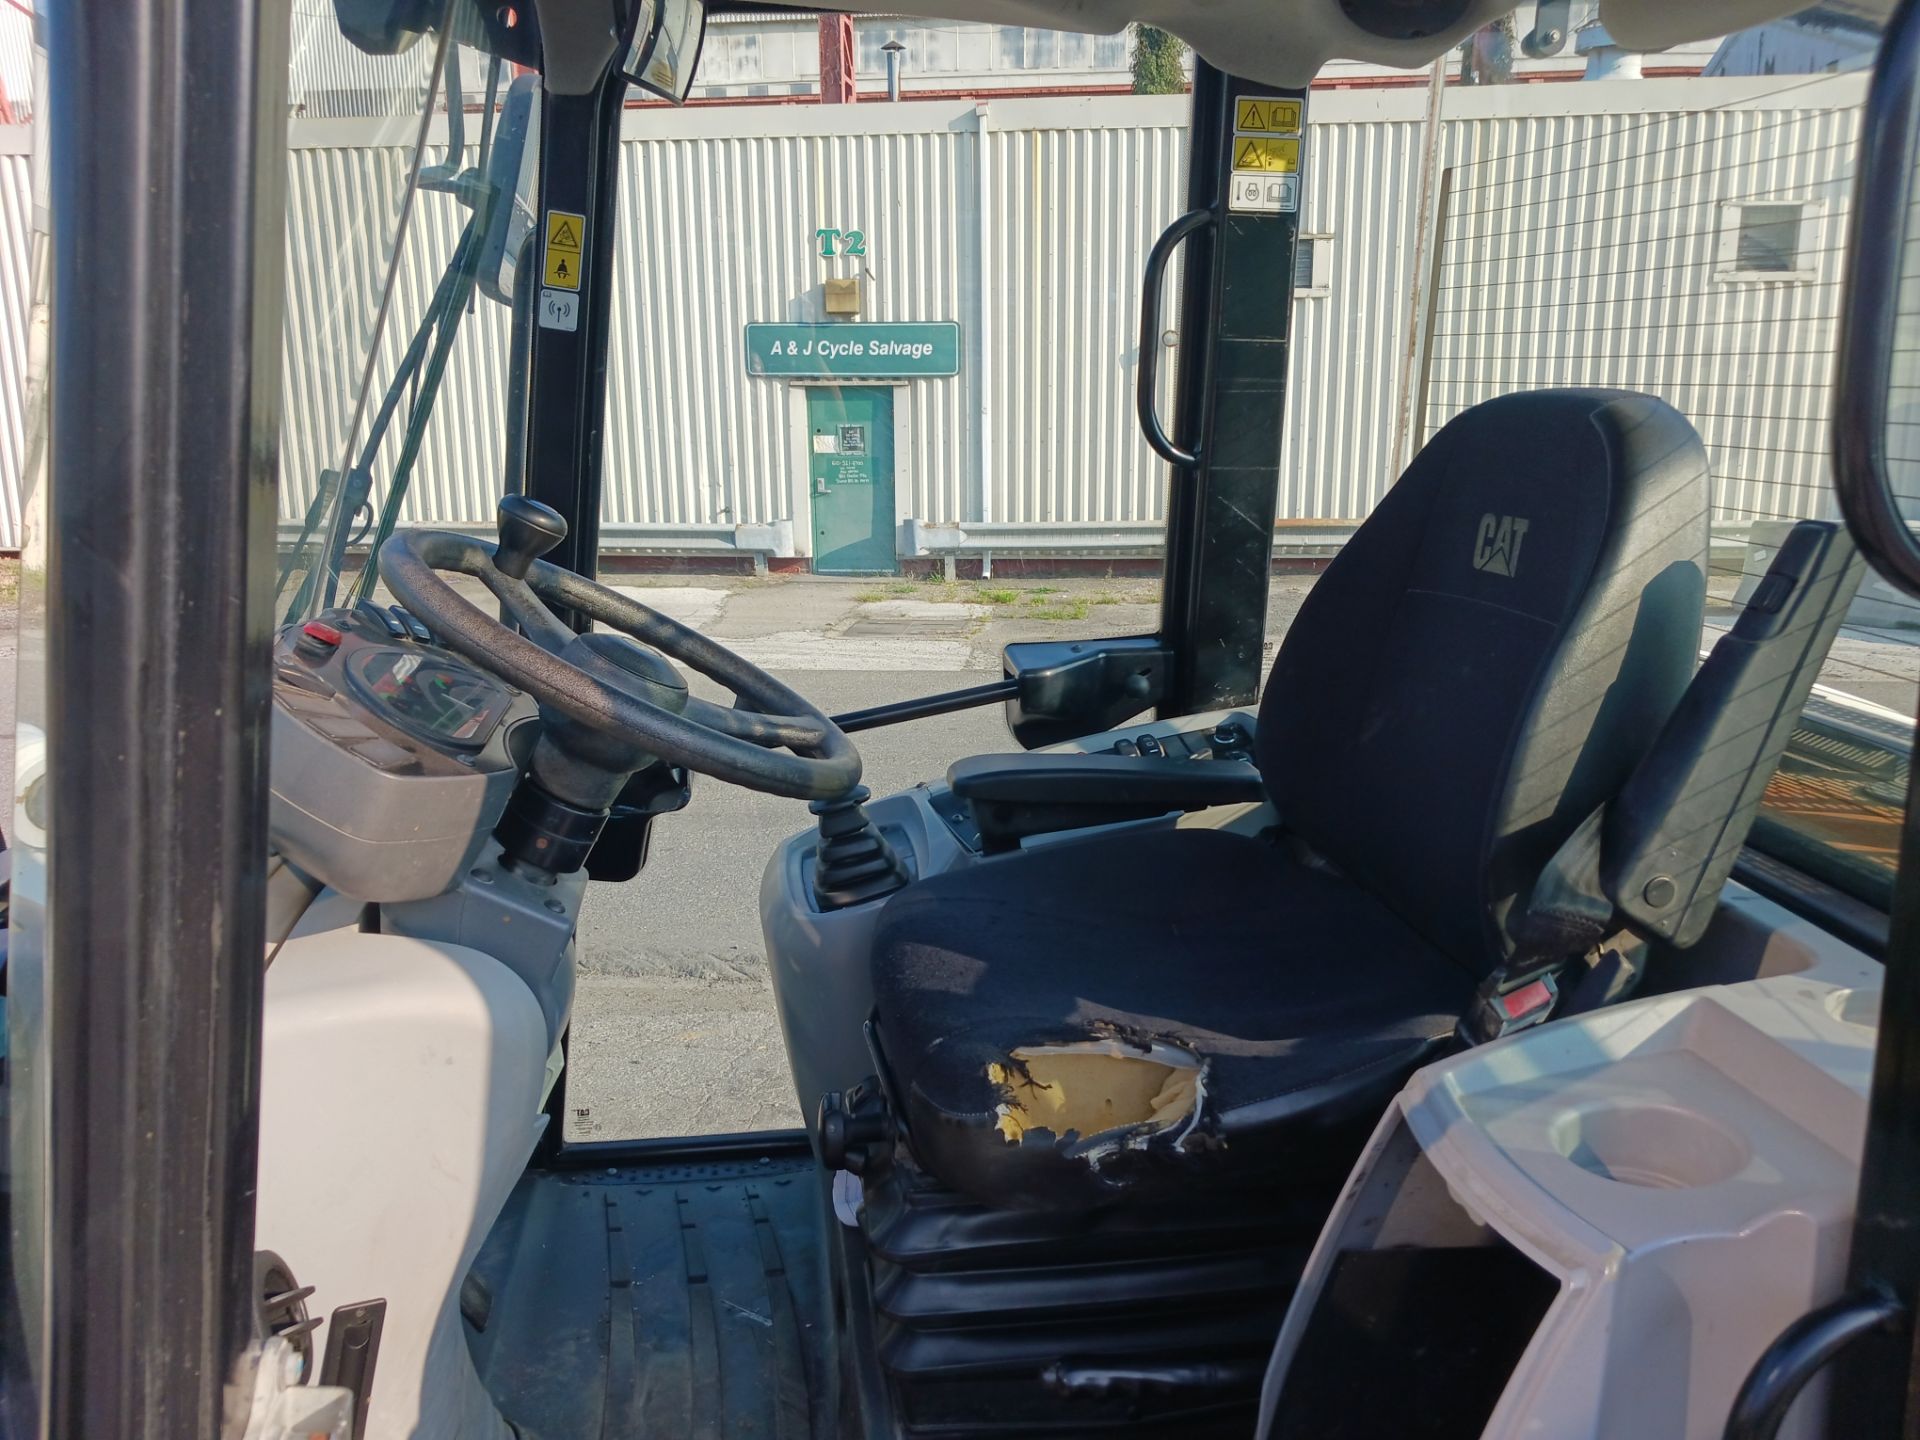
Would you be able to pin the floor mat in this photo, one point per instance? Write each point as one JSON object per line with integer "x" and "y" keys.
{"x": 652, "y": 1301}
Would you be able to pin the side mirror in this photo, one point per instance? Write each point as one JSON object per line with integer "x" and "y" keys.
{"x": 513, "y": 174}
{"x": 663, "y": 47}
{"x": 1876, "y": 420}
{"x": 385, "y": 27}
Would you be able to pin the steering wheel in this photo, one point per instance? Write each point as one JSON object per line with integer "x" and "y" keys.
{"x": 624, "y": 697}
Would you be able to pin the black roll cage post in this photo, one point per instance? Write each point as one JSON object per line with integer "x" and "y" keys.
{"x": 582, "y": 95}
{"x": 1868, "y": 1334}
{"x": 131, "y": 1238}
{"x": 1236, "y": 311}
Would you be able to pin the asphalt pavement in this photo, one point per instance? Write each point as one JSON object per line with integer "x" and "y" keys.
{"x": 674, "y": 1030}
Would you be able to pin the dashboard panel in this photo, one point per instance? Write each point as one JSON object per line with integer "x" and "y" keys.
{"x": 392, "y": 758}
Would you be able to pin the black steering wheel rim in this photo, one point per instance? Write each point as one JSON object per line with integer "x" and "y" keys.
{"x": 742, "y": 746}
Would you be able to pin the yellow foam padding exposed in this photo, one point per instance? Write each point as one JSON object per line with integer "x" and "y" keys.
{"x": 1087, "y": 1089}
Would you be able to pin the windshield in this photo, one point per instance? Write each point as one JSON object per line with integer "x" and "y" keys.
{"x": 400, "y": 226}
{"x": 871, "y": 345}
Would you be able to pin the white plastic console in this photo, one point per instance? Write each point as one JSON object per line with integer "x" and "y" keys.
{"x": 400, "y": 1099}
{"x": 1681, "y": 1170}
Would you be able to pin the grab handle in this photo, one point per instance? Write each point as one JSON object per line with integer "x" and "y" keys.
{"x": 1149, "y": 367}
{"x": 1802, "y": 1351}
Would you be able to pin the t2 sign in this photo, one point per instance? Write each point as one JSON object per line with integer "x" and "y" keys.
{"x": 852, "y": 242}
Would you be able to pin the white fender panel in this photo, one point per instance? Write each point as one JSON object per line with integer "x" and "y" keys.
{"x": 400, "y": 1093}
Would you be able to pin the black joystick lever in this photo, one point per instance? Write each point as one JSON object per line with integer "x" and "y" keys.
{"x": 853, "y": 862}
{"x": 528, "y": 530}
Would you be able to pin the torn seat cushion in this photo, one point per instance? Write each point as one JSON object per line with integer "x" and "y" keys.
{"x": 1305, "y": 1002}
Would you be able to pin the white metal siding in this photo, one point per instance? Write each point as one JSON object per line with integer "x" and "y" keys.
{"x": 716, "y": 232}
{"x": 1361, "y": 170}
{"x": 1583, "y": 249}
{"x": 1579, "y": 248}
{"x": 1075, "y": 208}
{"x": 340, "y": 215}
{"x": 16, "y": 242}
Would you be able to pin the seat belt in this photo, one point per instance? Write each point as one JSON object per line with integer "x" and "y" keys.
{"x": 1658, "y": 853}
{"x": 1566, "y": 917}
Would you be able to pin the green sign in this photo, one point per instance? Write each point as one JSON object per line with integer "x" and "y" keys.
{"x": 852, "y": 242}
{"x": 855, "y": 350}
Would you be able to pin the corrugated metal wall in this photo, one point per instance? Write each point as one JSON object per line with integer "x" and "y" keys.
{"x": 1580, "y": 246}
{"x": 718, "y": 213}
{"x": 1622, "y": 273}
{"x": 1078, "y": 192}
{"x": 1362, "y": 166}
{"x": 16, "y": 239}
{"x": 343, "y": 183}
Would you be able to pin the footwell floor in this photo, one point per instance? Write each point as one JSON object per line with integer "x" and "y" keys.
{"x": 657, "y": 1301}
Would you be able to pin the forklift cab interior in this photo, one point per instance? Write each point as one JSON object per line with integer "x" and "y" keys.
{"x": 1103, "y": 1042}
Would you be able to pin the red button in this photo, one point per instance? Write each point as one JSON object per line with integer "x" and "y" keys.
{"x": 321, "y": 631}
{"x": 1527, "y": 999}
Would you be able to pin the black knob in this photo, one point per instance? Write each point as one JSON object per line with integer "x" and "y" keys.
{"x": 528, "y": 530}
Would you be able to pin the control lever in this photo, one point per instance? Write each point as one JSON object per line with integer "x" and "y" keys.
{"x": 853, "y": 862}
{"x": 528, "y": 530}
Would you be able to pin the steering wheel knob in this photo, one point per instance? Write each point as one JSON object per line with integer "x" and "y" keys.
{"x": 528, "y": 530}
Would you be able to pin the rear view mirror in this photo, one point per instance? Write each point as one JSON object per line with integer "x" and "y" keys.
{"x": 513, "y": 175}
{"x": 1876, "y": 424}
{"x": 664, "y": 46}
{"x": 385, "y": 27}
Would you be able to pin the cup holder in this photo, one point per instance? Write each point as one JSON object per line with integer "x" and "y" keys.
{"x": 1658, "y": 1147}
{"x": 1855, "y": 1007}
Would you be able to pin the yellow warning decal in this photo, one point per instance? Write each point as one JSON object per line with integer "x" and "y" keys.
{"x": 564, "y": 230}
{"x": 1278, "y": 157}
{"x": 1271, "y": 117}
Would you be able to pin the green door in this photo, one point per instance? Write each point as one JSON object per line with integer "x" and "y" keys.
{"x": 850, "y": 464}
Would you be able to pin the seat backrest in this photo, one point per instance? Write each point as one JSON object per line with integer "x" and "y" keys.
{"x": 1491, "y": 654}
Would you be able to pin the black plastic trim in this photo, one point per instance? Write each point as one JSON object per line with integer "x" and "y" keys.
{"x": 1121, "y": 780}
{"x": 1011, "y": 797}
{"x": 1841, "y": 915}
{"x": 745, "y": 1145}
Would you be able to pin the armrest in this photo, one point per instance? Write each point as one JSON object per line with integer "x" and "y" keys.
{"x": 1013, "y": 796}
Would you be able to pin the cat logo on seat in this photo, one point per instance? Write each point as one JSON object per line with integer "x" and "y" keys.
{"x": 1497, "y": 548}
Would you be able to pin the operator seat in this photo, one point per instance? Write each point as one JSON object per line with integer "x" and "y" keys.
{"x": 1480, "y": 668}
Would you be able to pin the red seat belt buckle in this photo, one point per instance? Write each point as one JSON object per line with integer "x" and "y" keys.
{"x": 1503, "y": 1012}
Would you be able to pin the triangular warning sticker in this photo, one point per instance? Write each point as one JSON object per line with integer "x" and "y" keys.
{"x": 1248, "y": 158}
{"x": 563, "y": 237}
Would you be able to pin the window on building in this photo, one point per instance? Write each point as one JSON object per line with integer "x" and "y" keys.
{"x": 729, "y": 59}
{"x": 1012, "y": 50}
{"x": 1766, "y": 240}
{"x": 1110, "y": 51}
{"x": 1769, "y": 237}
{"x": 1310, "y": 265}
